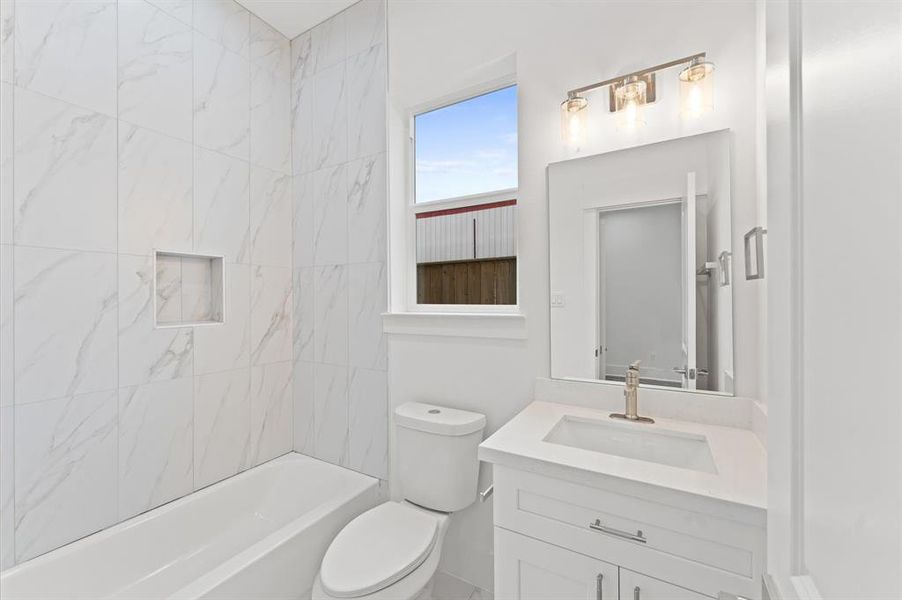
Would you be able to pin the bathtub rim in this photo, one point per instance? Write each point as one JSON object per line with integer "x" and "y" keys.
{"x": 47, "y": 558}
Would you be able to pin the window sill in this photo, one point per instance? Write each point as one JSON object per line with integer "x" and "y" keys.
{"x": 501, "y": 326}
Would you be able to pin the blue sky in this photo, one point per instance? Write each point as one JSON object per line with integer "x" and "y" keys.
{"x": 467, "y": 148}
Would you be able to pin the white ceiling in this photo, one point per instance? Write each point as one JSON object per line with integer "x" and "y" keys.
{"x": 294, "y": 17}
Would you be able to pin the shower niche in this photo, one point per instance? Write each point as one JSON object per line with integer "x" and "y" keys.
{"x": 188, "y": 289}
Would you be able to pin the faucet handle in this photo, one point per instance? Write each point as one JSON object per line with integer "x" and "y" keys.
{"x": 635, "y": 365}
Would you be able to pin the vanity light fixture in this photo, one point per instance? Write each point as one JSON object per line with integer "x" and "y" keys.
{"x": 630, "y": 93}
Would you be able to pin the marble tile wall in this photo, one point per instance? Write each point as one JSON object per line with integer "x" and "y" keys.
{"x": 128, "y": 126}
{"x": 338, "y": 139}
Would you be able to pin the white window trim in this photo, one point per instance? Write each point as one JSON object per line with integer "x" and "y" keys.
{"x": 461, "y": 311}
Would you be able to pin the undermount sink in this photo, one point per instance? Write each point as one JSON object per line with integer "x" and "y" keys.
{"x": 635, "y": 441}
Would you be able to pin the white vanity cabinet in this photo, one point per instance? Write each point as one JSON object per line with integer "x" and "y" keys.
{"x": 558, "y": 539}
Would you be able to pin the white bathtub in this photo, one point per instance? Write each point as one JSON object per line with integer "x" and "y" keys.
{"x": 259, "y": 535}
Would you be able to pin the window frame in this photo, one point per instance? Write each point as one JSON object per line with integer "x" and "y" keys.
{"x": 413, "y": 208}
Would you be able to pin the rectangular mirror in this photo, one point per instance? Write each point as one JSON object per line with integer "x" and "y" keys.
{"x": 641, "y": 265}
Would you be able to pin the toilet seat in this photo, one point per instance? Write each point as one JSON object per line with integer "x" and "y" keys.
{"x": 378, "y": 549}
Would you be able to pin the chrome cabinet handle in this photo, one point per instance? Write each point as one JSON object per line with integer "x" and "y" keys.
{"x": 599, "y": 593}
{"x": 633, "y": 537}
{"x": 636, "y": 593}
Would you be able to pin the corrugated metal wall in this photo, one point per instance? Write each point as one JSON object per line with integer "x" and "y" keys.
{"x": 450, "y": 237}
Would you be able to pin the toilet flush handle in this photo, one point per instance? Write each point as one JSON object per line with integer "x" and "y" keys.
{"x": 484, "y": 495}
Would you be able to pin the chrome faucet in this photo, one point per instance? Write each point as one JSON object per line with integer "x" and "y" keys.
{"x": 631, "y": 396}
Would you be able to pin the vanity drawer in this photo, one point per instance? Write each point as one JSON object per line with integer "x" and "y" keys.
{"x": 684, "y": 546}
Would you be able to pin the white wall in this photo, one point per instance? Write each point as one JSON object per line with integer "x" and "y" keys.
{"x": 126, "y": 127}
{"x": 835, "y": 299}
{"x": 437, "y": 48}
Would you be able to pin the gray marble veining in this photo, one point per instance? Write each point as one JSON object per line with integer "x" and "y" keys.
{"x": 222, "y": 205}
{"x": 65, "y": 323}
{"x": 367, "y": 300}
{"x": 65, "y": 175}
{"x": 270, "y": 411}
{"x": 366, "y": 82}
{"x": 155, "y": 444}
{"x": 155, "y": 70}
{"x": 270, "y": 315}
{"x": 147, "y": 354}
{"x": 67, "y": 50}
{"x": 221, "y": 98}
{"x": 155, "y": 192}
{"x": 66, "y": 470}
{"x": 225, "y": 22}
{"x": 270, "y": 218}
{"x": 367, "y": 207}
{"x": 331, "y": 413}
{"x": 330, "y": 216}
{"x": 368, "y": 422}
{"x": 331, "y": 314}
{"x": 270, "y": 126}
{"x": 221, "y": 425}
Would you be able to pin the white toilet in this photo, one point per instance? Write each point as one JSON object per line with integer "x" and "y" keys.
{"x": 391, "y": 551}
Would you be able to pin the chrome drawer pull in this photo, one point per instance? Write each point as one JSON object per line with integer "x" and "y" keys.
{"x": 633, "y": 537}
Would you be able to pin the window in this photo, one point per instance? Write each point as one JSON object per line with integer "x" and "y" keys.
{"x": 465, "y": 201}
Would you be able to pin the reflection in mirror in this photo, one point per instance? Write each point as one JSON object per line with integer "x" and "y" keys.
{"x": 640, "y": 265}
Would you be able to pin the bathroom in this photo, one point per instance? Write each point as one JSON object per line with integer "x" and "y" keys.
{"x": 334, "y": 299}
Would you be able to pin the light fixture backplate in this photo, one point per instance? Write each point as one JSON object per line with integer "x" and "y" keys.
{"x": 648, "y": 78}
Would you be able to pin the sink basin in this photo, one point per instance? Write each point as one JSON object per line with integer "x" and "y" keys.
{"x": 636, "y": 441}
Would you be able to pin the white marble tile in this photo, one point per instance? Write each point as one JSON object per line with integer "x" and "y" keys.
{"x": 7, "y": 40}
{"x": 7, "y": 165}
{"x": 368, "y": 422}
{"x": 169, "y": 288}
{"x": 222, "y": 425}
{"x": 155, "y": 192}
{"x": 330, "y": 117}
{"x": 67, "y": 50}
{"x": 65, "y": 470}
{"x": 155, "y": 70}
{"x": 270, "y": 218}
{"x": 303, "y": 143}
{"x": 331, "y": 413}
{"x": 7, "y": 327}
{"x": 183, "y": 10}
{"x": 65, "y": 323}
{"x": 269, "y": 48}
{"x": 270, "y": 135}
{"x": 303, "y": 316}
{"x": 225, "y": 22}
{"x": 221, "y": 99}
{"x": 330, "y": 329}
{"x": 270, "y": 315}
{"x": 222, "y": 205}
{"x": 271, "y": 418}
{"x": 201, "y": 289}
{"x": 448, "y": 587}
{"x": 366, "y": 77}
{"x": 330, "y": 216}
{"x": 302, "y": 395}
{"x": 367, "y": 300}
{"x": 302, "y": 220}
{"x": 302, "y": 59}
{"x": 147, "y": 354}
{"x": 156, "y": 462}
{"x": 366, "y": 25}
{"x": 367, "y": 206}
{"x": 227, "y": 346}
{"x": 329, "y": 41}
{"x": 65, "y": 175}
{"x": 7, "y": 486}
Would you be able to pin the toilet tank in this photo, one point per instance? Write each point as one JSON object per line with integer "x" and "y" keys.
{"x": 437, "y": 455}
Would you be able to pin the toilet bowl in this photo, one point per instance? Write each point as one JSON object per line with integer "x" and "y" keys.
{"x": 391, "y": 552}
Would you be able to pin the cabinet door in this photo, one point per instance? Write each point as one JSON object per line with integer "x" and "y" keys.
{"x": 634, "y": 586}
{"x": 527, "y": 569}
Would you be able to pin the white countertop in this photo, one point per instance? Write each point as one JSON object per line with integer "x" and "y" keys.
{"x": 739, "y": 457}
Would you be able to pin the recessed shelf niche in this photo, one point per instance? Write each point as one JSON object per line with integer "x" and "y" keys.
{"x": 188, "y": 289}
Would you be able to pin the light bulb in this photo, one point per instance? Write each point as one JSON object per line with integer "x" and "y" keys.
{"x": 574, "y": 119}
{"x": 629, "y": 101}
{"x": 697, "y": 88}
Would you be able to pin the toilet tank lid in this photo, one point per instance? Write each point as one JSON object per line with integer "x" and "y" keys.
{"x": 438, "y": 419}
